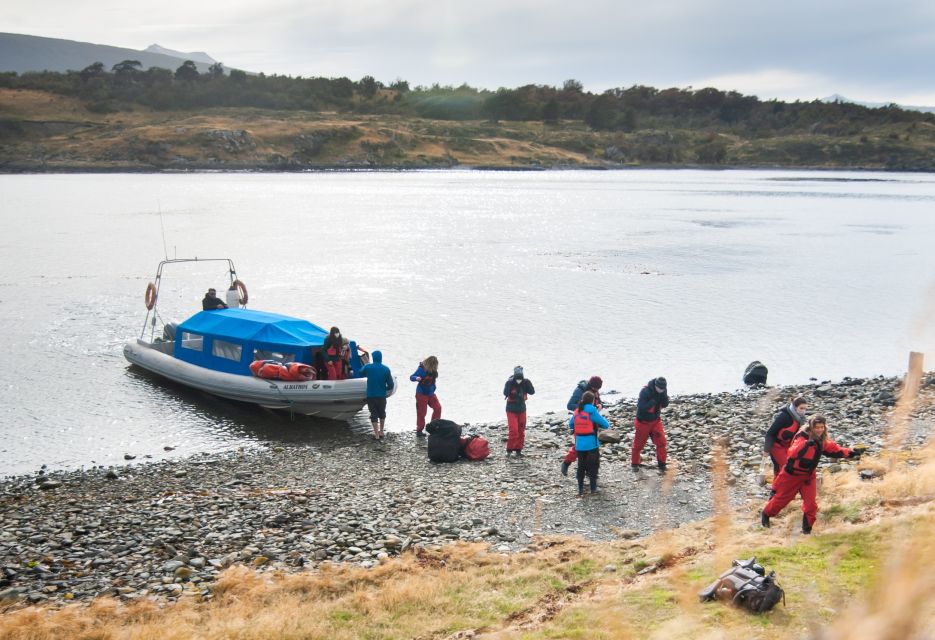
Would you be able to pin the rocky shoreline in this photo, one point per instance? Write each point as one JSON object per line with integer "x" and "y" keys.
{"x": 165, "y": 530}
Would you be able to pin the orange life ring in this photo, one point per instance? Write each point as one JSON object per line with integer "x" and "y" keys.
{"x": 150, "y": 296}
{"x": 241, "y": 291}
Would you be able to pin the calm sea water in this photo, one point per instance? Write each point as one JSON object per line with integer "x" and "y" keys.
{"x": 628, "y": 275}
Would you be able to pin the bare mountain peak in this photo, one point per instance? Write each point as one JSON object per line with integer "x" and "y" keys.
{"x": 195, "y": 56}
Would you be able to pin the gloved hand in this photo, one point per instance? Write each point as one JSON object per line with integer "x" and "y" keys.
{"x": 857, "y": 451}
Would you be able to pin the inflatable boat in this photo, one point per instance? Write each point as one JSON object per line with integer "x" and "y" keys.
{"x": 213, "y": 351}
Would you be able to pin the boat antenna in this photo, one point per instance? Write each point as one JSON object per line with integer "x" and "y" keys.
{"x": 165, "y": 250}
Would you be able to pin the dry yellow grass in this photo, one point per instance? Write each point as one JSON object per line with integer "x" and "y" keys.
{"x": 25, "y": 103}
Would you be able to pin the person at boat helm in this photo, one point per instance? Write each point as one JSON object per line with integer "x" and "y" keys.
{"x": 211, "y": 301}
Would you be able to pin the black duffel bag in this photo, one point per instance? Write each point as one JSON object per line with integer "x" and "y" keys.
{"x": 444, "y": 440}
{"x": 755, "y": 373}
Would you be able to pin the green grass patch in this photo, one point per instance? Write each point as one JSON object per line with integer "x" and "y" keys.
{"x": 652, "y": 606}
{"x": 848, "y": 512}
{"x": 831, "y": 566}
{"x": 343, "y": 615}
{"x": 581, "y": 570}
{"x": 572, "y": 624}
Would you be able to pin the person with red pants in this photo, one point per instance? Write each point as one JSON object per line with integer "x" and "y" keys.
{"x": 779, "y": 436}
{"x": 515, "y": 392}
{"x": 593, "y": 384}
{"x": 426, "y": 375}
{"x": 333, "y": 351}
{"x": 798, "y": 476}
{"x": 654, "y": 397}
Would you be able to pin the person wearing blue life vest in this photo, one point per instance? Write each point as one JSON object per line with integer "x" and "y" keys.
{"x": 426, "y": 375}
{"x": 584, "y": 424}
{"x": 379, "y": 382}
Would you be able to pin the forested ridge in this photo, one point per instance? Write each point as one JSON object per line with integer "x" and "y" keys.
{"x": 552, "y": 126}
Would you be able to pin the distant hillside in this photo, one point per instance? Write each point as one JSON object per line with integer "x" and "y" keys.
{"x": 159, "y": 119}
{"x": 22, "y": 53}
{"x": 196, "y": 56}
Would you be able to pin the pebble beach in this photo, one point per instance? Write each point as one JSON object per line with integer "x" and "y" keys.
{"x": 165, "y": 530}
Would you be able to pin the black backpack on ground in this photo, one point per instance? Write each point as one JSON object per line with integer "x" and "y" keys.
{"x": 746, "y": 585}
{"x": 755, "y": 373}
{"x": 444, "y": 440}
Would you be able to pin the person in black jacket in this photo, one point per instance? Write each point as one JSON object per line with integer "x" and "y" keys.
{"x": 211, "y": 302}
{"x": 654, "y": 397}
{"x": 515, "y": 391}
{"x": 779, "y": 436}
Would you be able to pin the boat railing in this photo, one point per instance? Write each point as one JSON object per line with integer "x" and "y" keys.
{"x": 153, "y": 314}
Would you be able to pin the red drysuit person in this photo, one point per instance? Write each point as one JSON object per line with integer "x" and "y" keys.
{"x": 515, "y": 392}
{"x": 334, "y": 352}
{"x": 799, "y": 473}
{"x": 426, "y": 375}
{"x": 654, "y": 397}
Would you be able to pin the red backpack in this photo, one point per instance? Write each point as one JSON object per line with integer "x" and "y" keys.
{"x": 475, "y": 447}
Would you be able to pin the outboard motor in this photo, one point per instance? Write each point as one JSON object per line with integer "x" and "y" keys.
{"x": 168, "y": 331}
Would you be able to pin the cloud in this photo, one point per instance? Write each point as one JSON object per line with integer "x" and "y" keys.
{"x": 767, "y": 84}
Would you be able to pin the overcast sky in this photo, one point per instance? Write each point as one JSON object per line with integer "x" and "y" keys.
{"x": 865, "y": 50}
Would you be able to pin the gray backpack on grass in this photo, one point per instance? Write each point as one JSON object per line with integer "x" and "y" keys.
{"x": 746, "y": 585}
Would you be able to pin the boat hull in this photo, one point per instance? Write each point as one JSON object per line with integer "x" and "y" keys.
{"x": 335, "y": 400}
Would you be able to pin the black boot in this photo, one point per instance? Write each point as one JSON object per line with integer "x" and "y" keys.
{"x": 764, "y": 519}
{"x": 662, "y": 467}
{"x": 806, "y": 527}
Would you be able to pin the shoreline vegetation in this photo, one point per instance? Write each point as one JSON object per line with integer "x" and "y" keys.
{"x": 294, "y": 541}
{"x": 131, "y": 120}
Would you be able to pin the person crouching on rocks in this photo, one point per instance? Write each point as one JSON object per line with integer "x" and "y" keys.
{"x": 584, "y": 424}
{"x": 593, "y": 385}
{"x": 779, "y": 436}
{"x": 515, "y": 392}
{"x": 426, "y": 375}
{"x": 799, "y": 475}
{"x": 654, "y": 397}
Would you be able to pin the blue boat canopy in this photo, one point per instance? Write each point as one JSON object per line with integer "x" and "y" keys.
{"x": 229, "y": 339}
